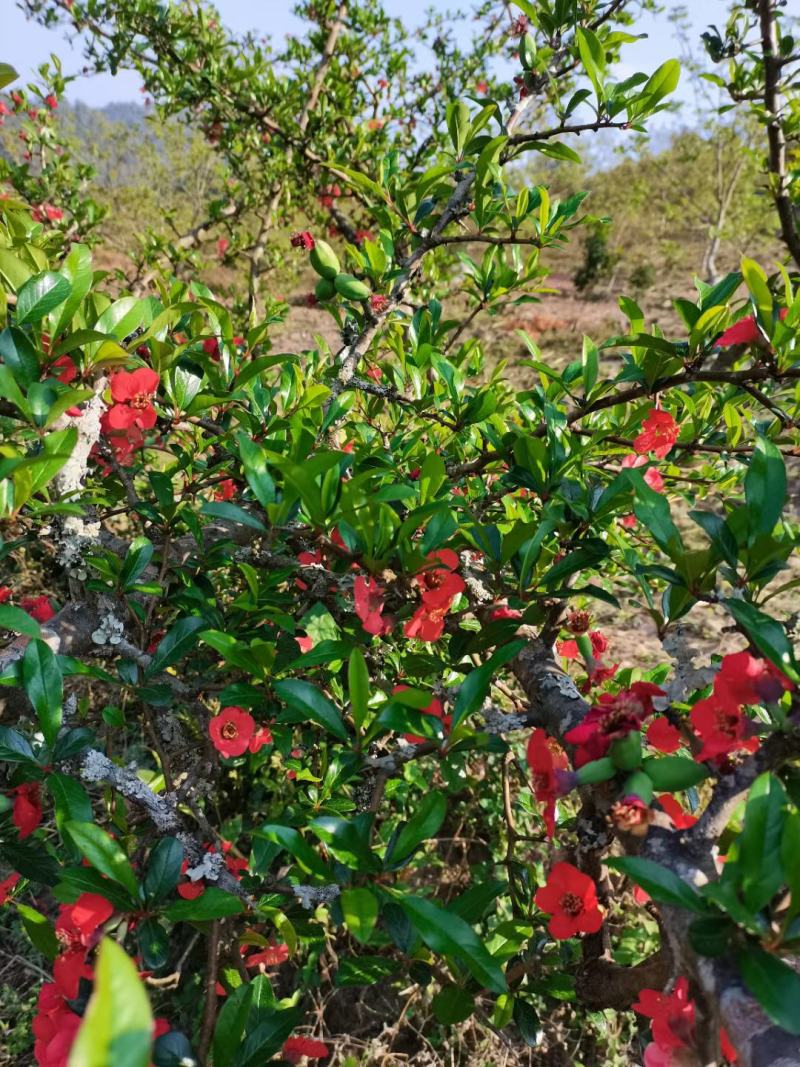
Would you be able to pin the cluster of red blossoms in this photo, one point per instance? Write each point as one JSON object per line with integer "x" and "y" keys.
{"x": 672, "y": 1018}
{"x": 439, "y": 587}
{"x": 719, "y": 720}
{"x": 658, "y": 435}
{"x": 548, "y": 764}
{"x": 302, "y": 239}
{"x": 613, "y": 717}
{"x": 131, "y": 413}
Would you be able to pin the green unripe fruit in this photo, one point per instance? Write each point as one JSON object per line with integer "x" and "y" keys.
{"x": 639, "y": 785}
{"x": 527, "y": 52}
{"x": 671, "y": 773}
{"x": 599, "y": 770}
{"x": 324, "y": 290}
{"x": 351, "y": 288}
{"x": 626, "y": 752}
{"x": 324, "y": 260}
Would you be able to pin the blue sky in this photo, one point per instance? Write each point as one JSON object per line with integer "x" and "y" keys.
{"x": 27, "y": 44}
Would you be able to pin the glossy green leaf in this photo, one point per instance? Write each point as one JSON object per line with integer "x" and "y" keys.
{"x": 774, "y": 985}
{"x": 660, "y": 882}
{"x": 40, "y": 294}
{"x": 118, "y": 1024}
{"x": 449, "y": 935}
{"x": 214, "y": 903}
{"x": 104, "y": 854}
{"x": 760, "y": 842}
{"x": 41, "y": 678}
{"x": 306, "y": 699}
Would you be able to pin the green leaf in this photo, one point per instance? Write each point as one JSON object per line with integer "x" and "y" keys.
{"x": 214, "y": 903}
{"x": 77, "y": 880}
{"x": 136, "y": 561}
{"x": 425, "y": 823}
{"x": 449, "y": 935}
{"x": 71, "y": 801}
{"x": 223, "y": 509}
{"x": 652, "y": 510}
{"x": 790, "y": 857}
{"x": 764, "y": 487}
{"x": 19, "y": 355}
{"x": 230, "y": 1025}
{"x": 77, "y": 267}
{"x": 452, "y": 1005}
{"x": 40, "y": 931}
{"x": 40, "y": 294}
{"x": 293, "y": 843}
{"x": 118, "y": 1024}
{"x": 14, "y": 748}
{"x": 41, "y": 678}
{"x": 363, "y": 970}
{"x": 254, "y": 461}
{"x": 768, "y": 636}
{"x": 358, "y": 687}
{"x": 774, "y": 985}
{"x": 662, "y": 82}
{"x": 593, "y": 57}
{"x": 347, "y": 839}
{"x": 163, "y": 869}
{"x": 360, "y": 911}
{"x": 661, "y": 883}
{"x": 104, "y": 854}
{"x": 472, "y": 691}
{"x": 153, "y": 943}
{"x": 307, "y": 699}
{"x": 760, "y": 842}
{"x": 176, "y": 643}
{"x": 711, "y": 935}
{"x": 7, "y": 75}
{"x": 268, "y": 1037}
{"x": 19, "y": 621}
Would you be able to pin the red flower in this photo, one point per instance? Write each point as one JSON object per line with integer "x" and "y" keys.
{"x": 440, "y": 586}
{"x": 369, "y": 604}
{"x": 190, "y": 890}
{"x": 519, "y": 26}
{"x": 54, "y": 214}
{"x": 305, "y": 643}
{"x": 55, "y": 1027}
{"x": 435, "y": 709}
{"x": 614, "y": 716}
{"x": 66, "y": 366}
{"x": 27, "y": 811}
{"x": 723, "y": 729}
{"x": 679, "y": 818}
{"x": 569, "y": 649}
{"x": 6, "y": 593}
{"x": 481, "y": 87}
{"x": 503, "y": 611}
{"x": 52, "y": 101}
{"x": 222, "y": 246}
{"x": 38, "y": 607}
{"x": 261, "y": 737}
{"x": 745, "y": 332}
{"x": 375, "y": 373}
{"x": 78, "y": 923}
{"x": 273, "y": 956}
{"x": 743, "y": 679}
{"x": 296, "y": 1047}
{"x": 132, "y": 393}
{"x": 7, "y": 887}
{"x": 545, "y": 759}
{"x": 378, "y": 303}
{"x": 659, "y": 433}
{"x": 631, "y": 815}
{"x": 226, "y": 490}
{"x": 663, "y": 736}
{"x": 579, "y": 621}
{"x": 211, "y": 347}
{"x": 231, "y": 731}
{"x": 672, "y": 1015}
{"x": 311, "y": 300}
{"x": 303, "y": 239}
{"x": 570, "y": 898}
{"x": 726, "y": 1048}
{"x": 628, "y": 521}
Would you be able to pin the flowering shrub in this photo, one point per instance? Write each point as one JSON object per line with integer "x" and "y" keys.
{"x": 305, "y": 622}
